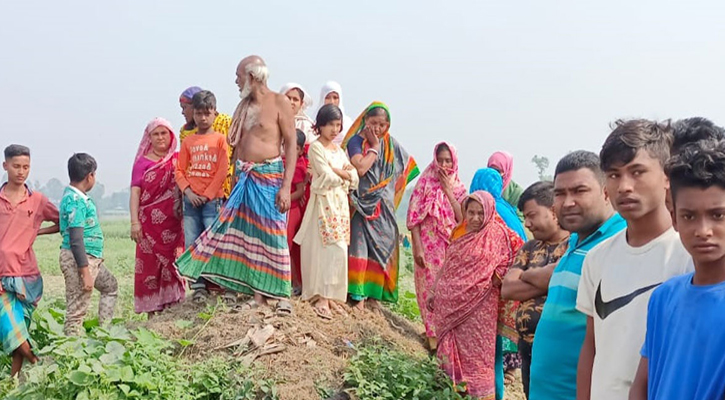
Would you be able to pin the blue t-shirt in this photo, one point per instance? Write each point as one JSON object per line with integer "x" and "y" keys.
{"x": 560, "y": 333}
{"x": 685, "y": 341}
{"x": 354, "y": 146}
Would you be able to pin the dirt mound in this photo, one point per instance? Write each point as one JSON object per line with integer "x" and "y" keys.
{"x": 302, "y": 352}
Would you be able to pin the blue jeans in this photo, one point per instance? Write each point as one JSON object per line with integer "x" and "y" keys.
{"x": 197, "y": 219}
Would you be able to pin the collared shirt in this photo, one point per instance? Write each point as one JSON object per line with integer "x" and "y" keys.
{"x": 77, "y": 210}
{"x": 561, "y": 329}
{"x": 535, "y": 254}
{"x": 19, "y": 227}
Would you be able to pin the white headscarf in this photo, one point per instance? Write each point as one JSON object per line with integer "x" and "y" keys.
{"x": 302, "y": 121}
{"x": 306, "y": 101}
{"x": 327, "y": 88}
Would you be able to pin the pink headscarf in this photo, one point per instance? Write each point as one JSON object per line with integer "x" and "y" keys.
{"x": 145, "y": 146}
{"x": 428, "y": 198}
{"x": 504, "y": 162}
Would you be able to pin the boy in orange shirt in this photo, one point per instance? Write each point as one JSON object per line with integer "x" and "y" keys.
{"x": 22, "y": 211}
{"x": 200, "y": 173}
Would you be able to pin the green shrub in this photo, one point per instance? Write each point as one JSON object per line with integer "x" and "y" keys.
{"x": 379, "y": 373}
{"x": 115, "y": 364}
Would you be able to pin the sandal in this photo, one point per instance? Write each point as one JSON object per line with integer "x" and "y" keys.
{"x": 246, "y": 306}
{"x": 230, "y": 298}
{"x": 284, "y": 308}
{"x": 323, "y": 313}
{"x": 200, "y": 296}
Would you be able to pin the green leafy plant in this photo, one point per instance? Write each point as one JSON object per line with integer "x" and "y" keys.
{"x": 377, "y": 372}
{"x": 115, "y": 363}
{"x": 407, "y": 306}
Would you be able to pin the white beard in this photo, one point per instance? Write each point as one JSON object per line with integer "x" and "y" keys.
{"x": 246, "y": 90}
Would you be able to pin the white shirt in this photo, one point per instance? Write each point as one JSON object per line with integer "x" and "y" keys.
{"x": 616, "y": 283}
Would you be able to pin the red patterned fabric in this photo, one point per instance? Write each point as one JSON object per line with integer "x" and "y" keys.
{"x": 467, "y": 303}
{"x": 157, "y": 282}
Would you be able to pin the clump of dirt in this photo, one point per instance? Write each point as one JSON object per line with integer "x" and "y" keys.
{"x": 301, "y": 351}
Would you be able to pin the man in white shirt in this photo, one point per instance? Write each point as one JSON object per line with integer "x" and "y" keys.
{"x": 618, "y": 276}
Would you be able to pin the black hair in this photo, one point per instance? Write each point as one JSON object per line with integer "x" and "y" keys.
{"x": 541, "y": 192}
{"x": 327, "y": 114}
{"x": 698, "y": 164}
{"x": 301, "y": 138}
{"x": 301, "y": 93}
{"x": 80, "y": 165}
{"x": 441, "y": 148}
{"x": 204, "y": 100}
{"x": 628, "y": 137}
{"x": 378, "y": 112}
{"x": 16, "y": 150}
{"x": 692, "y": 130}
{"x": 577, "y": 160}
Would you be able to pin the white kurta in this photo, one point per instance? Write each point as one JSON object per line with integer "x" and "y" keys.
{"x": 325, "y": 232}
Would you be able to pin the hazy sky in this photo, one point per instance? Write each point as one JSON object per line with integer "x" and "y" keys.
{"x": 530, "y": 77}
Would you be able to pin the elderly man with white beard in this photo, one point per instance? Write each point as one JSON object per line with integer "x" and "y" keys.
{"x": 246, "y": 250}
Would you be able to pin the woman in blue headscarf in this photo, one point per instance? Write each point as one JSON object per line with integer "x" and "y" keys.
{"x": 489, "y": 180}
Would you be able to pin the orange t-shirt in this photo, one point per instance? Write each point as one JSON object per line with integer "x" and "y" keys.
{"x": 18, "y": 229}
{"x": 202, "y": 165}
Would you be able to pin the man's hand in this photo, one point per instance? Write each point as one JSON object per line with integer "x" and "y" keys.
{"x": 88, "y": 281}
{"x": 283, "y": 199}
{"x": 194, "y": 199}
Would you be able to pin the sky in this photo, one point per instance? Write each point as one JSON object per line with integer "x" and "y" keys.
{"x": 529, "y": 77}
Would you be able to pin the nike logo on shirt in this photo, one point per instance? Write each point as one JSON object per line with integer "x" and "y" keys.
{"x": 606, "y": 308}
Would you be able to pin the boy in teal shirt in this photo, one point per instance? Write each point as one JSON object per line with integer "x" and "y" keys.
{"x": 81, "y": 254}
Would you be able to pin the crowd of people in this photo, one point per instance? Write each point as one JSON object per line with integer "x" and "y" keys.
{"x": 603, "y": 284}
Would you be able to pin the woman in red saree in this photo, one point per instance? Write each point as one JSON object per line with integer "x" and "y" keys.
{"x": 156, "y": 222}
{"x": 469, "y": 311}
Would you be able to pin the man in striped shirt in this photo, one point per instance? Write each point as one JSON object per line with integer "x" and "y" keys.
{"x": 583, "y": 208}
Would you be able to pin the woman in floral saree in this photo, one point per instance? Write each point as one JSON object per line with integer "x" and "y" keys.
{"x": 156, "y": 221}
{"x": 467, "y": 296}
{"x": 433, "y": 212}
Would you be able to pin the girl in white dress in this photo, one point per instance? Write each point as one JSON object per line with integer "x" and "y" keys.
{"x": 325, "y": 232}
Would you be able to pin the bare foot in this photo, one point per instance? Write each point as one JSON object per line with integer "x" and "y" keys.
{"x": 260, "y": 300}
{"x": 373, "y": 304}
{"x": 338, "y": 308}
{"x": 360, "y": 306}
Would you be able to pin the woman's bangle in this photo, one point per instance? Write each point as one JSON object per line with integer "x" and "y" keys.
{"x": 135, "y": 223}
{"x": 372, "y": 151}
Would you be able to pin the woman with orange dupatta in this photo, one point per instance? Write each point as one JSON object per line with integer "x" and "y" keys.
{"x": 467, "y": 300}
{"x": 156, "y": 220}
{"x": 384, "y": 169}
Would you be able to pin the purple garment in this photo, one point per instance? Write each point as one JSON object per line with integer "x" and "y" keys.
{"x": 140, "y": 168}
{"x": 190, "y": 92}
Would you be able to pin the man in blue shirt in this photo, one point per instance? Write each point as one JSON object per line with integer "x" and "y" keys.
{"x": 583, "y": 209}
{"x": 682, "y": 355}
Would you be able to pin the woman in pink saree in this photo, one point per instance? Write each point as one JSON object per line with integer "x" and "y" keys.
{"x": 433, "y": 212}
{"x": 469, "y": 311}
{"x": 156, "y": 221}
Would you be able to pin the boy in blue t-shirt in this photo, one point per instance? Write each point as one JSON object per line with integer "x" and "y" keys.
{"x": 81, "y": 253}
{"x": 686, "y": 313}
